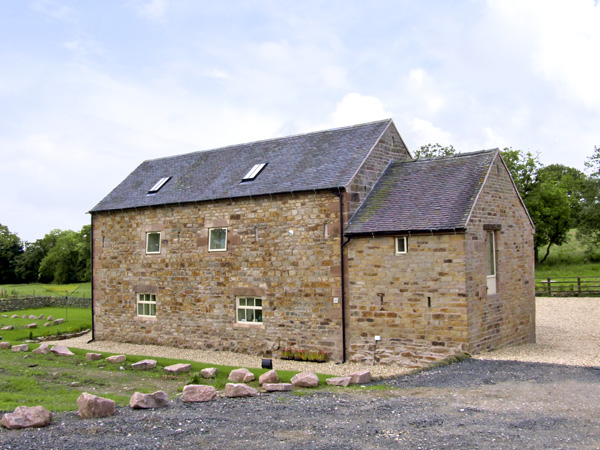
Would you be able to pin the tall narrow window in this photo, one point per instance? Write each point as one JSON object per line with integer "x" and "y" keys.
{"x": 217, "y": 240}
{"x": 146, "y": 305}
{"x": 153, "y": 242}
{"x": 490, "y": 251}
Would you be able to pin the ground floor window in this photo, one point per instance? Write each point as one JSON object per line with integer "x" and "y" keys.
{"x": 146, "y": 305}
{"x": 249, "y": 309}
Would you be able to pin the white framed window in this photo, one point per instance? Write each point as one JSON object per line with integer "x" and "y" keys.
{"x": 254, "y": 171}
{"x": 490, "y": 256}
{"x": 159, "y": 184}
{"x": 249, "y": 310}
{"x": 153, "y": 242}
{"x": 217, "y": 240}
{"x": 146, "y": 305}
{"x": 401, "y": 245}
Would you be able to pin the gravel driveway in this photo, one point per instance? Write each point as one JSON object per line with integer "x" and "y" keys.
{"x": 499, "y": 400}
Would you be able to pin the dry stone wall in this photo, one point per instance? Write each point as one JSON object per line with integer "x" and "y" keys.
{"x": 15, "y": 304}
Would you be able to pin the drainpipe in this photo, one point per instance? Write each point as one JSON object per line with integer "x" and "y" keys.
{"x": 92, "y": 276}
{"x": 342, "y": 268}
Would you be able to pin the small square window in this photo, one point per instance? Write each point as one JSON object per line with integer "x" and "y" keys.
{"x": 249, "y": 310}
{"x": 217, "y": 240}
{"x": 153, "y": 242}
{"x": 401, "y": 245}
{"x": 146, "y": 305}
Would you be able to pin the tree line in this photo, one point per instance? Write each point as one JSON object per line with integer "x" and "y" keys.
{"x": 60, "y": 257}
{"x": 558, "y": 197}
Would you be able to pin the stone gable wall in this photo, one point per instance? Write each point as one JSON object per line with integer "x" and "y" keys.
{"x": 508, "y": 317}
{"x": 422, "y": 315}
{"x": 390, "y": 147}
{"x": 296, "y": 274}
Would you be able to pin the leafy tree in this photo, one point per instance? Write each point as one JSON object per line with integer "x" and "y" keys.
{"x": 589, "y": 222}
{"x": 572, "y": 180}
{"x": 523, "y": 167}
{"x": 28, "y": 264}
{"x": 434, "y": 151}
{"x": 10, "y": 248}
{"x": 68, "y": 260}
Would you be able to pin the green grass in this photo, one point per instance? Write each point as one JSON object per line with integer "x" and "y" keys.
{"x": 56, "y": 382}
{"x": 83, "y": 290}
{"x": 568, "y": 260}
{"x": 76, "y": 319}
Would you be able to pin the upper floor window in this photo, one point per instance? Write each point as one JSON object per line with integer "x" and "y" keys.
{"x": 254, "y": 171}
{"x": 159, "y": 184}
{"x": 401, "y": 245}
{"x": 153, "y": 242}
{"x": 217, "y": 240}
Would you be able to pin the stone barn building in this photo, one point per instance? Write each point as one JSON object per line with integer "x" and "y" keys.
{"x": 335, "y": 240}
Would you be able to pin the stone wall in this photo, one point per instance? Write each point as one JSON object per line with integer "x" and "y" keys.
{"x": 284, "y": 249}
{"x": 16, "y": 304}
{"x": 507, "y": 317}
{"x": 390, "y": 147}
{"x": 416, "y": 302}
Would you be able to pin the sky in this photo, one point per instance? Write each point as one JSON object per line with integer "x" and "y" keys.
{"x": 90, "y": 89}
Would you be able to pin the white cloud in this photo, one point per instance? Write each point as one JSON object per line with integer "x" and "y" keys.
{"x": 153, "y": 9}
{"x": 53, "y": 9}
{"x": 425, "y": 132}
{"x": 356, "y": 108}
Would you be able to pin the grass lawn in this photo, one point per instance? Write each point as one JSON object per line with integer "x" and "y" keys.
{"x": 83, "y": 290}
{"x": 56, "y": 382}
{"x": 567, "y": 260}
{"x": 76, "y": 319}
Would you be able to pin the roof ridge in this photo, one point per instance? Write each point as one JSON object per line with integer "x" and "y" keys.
{"x": 281, "y": 138}
{"x": 456, "y": 155}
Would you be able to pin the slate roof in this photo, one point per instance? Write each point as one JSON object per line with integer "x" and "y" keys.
{"x": 423, "y": 195}
{"x": 314, "y": 161}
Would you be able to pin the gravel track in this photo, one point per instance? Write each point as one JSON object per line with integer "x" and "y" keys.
{"x": 499, "y": 400}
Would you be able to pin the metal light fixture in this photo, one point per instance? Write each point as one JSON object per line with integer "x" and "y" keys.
{"x": 267, "y": 363}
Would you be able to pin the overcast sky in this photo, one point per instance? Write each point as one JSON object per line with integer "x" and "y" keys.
{"x": 90, "y": 89}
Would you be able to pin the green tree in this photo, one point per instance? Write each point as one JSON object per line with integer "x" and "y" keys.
{"x": 434, "y": 151}
{"x": 28, "y": 264}
{"x": 589, "y": 221}
{"x": 10, "y": 249}
{"x": 68, "y": 259}
{"x": 571, "y": 180}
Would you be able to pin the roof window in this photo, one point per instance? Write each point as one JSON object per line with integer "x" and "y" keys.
{"x": 159, "y": 184}
{"x": 253, "y": 173}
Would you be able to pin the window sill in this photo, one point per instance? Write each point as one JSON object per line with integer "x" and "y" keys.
{"x": 258, "y": 326}
{"x": 145, "y": 318}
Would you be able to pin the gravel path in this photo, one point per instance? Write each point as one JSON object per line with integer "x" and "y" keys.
{"x": 495, "y": 401}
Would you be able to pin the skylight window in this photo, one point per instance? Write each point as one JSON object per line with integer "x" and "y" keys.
{"x": 253, "y": 173}
{"x": 159, "y": 184}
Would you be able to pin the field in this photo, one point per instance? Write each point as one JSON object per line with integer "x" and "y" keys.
{"x": 568, "y": 260}
{"x": 76, "y": 319}
{"x": 83, "y": 290}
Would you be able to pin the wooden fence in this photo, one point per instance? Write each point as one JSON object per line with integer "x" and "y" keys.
{"x": 568, "y": 287}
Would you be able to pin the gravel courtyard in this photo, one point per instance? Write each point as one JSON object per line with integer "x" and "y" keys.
{"x": 538, "y": 396}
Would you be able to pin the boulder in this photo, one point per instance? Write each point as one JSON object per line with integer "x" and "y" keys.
{"x": 24, "y": 316}
{"x": 241, "y": 376}
{"x": 14, "y": 316}
{"x": 8, "y": 328}
{"x": 40, "y": 317}
{"x": 210, "y": 372}
{"x": 20, "y": 348}
{"x": 277, "y": 387}
{"x": 339, "y": 381}
{"x": 91, "y": 406}
{"x": 361, "y": 377}
{"x": 116, "y": 359}
{"x": 145, "y": 364}
{"x": 305, "y": 379}
{"x": 239, "y": 390}
{"x": 61, "y": 350}
{"x": 268, "y": 377}
{"x": 93, "y": 356}
{"x": 50, "y": 317}
{"x": 48, "y": 324}
{"x": 157, "y": 399}
{"x": 5, "y": 344}
{"x": 59, "y": 321}
{"x": 32, "y": 317}
{"x": 25, "y": 416}
{"x": 31, "y": 325}
{"x": 4, "y": 316}
{"x": 43, "y": 349}
{"x": 178, "y": 368}
{"x": 198, "y": 393}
